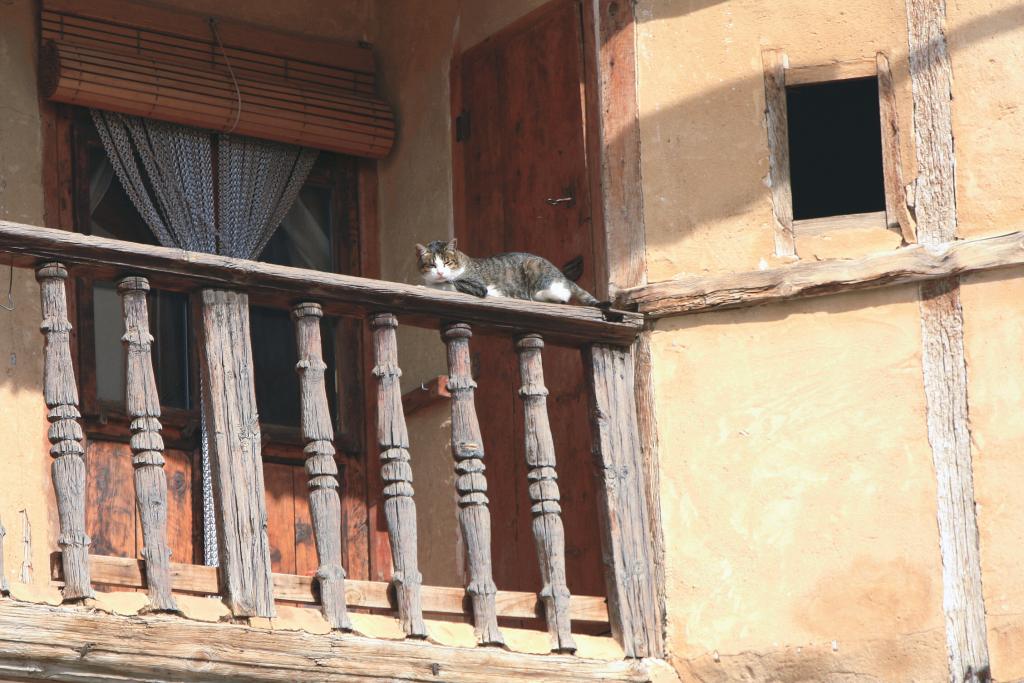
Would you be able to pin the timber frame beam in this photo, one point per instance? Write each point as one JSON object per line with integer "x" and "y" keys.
{"x": 39, "y": 642}
{"x": 915, "y": 263}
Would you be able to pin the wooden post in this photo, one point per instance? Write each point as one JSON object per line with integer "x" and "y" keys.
{"x": 548, "y": 532}
{"x": 4, "y": 588}
{"x": 318, "y": 433}
{"x": 143, "y": 406}
{"x": 471, "y": 484}
{"x": 65, "y": 434}
{"x": 235, "y": 454}
{"x": 399, "y": 507}
{"x": 943, "y": 357}
{"x": 778, "y": 150}
{"x": 627, "y": 529}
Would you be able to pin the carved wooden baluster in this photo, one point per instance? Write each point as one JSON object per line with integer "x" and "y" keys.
{"x": 4, "y": 588}
{"x": 399, "y": 507}
{"x": 318, "y": 433}
{"x": 143, "y": 405}
{"x": 548, "y": 532}
{"x": 471, "y": 484}
{"x": 65, "y": 434}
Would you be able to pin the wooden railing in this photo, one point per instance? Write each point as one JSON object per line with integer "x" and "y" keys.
{"x": 244, "y": 576}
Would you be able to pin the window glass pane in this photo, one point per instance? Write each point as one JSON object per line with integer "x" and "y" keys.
{"x": 303, "y": 240}
{"x": 109, "y": 326}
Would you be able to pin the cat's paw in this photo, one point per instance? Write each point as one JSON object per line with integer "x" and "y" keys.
{"x": 471, "y": 287}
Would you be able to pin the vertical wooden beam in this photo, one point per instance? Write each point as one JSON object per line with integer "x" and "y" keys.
{"x": 943, "y": 358}
{"x": 4, "y": 587}
{"x": 143, "y": 406}
{"x": 548, "y": 532}
{"x": 396, "y": 473}
{"x": 471, "y": 484}
{"x": 235, "y": 454}
{"x": 613, "y": 143}
{"x": 627, "y": 529}
{"x": 318, "y": 434}
{"x": 777, "y": 122}
{"x": 897, "y": 215}
{"x": 65, "y": 434}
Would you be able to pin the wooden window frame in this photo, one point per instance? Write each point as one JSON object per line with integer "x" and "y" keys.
{"x": 778, "y": 74}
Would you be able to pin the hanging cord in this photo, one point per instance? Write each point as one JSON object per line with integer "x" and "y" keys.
{"x": 9, "y": 306}
{"x": 238, "y": 93}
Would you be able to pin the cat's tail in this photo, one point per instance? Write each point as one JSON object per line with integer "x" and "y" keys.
{"x": 582, "y": 295}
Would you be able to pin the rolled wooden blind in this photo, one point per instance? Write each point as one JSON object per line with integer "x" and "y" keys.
{"x": 98, "y": 62}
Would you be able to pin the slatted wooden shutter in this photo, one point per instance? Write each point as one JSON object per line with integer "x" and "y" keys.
{"x": 97, "y": 55}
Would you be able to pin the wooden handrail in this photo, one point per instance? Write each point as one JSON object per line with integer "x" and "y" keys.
{"x": 283, "y": 286}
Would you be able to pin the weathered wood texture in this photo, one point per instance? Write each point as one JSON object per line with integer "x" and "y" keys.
{"x": 427, "y": 394}
{"x": 283, "y": 286}
{"x": 44, "y": 643}
{"x": 4, "y": 587}
{"x": 128, "y": 572}
{"x": 634, "y": 607}
{"x": 318, "y": 434}
{"x": 619, "y": 120}
{"x": 396, "y": 473}
{"x": 471, "y": 484}
{"x": 897, "y": 214}
{"x": 777, "y": 122}
{"x": 142, "y": 404}
{"x": 832, "y": 71}
{"x": 943, "y": 359}
{"x": 548, "y": 532}
{"x": 65, "y": 434}
{"x": 914, "y": 263}
{"x": 235, "y": 454}
{"x": 809, "y": 227}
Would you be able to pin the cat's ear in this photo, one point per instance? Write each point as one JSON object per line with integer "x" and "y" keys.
{"x": 420, "y": 249}
{"x": 453, "y": 244}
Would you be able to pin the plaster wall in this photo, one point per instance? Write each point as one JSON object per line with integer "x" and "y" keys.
{"x": 25, "y": 490}
{"x": 707, "y": 204}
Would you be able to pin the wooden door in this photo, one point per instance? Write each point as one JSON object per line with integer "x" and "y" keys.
{"x": 521, "y": 171}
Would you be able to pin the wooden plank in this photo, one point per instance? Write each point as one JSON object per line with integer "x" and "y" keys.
{"x": 778, "y": 150}
{"x": 318, "y": 433}
{"x": 832, "y": 71}
{"x": 284, "y": 286}
{"x": 810, "y": 227}
{"x": 898, "y": 216}
{"x": 110, "y": 517}
{"x": 618, "y": 116}
{"x": 915, "y": 263}
{"x": 306, "y": 561}
{"x": 179, "y": 470}
{"x": 546, "y": 509}
{"x": 280, "y": 500}
{"x": 634, "y": 606}
{"x": 200, "y": 579}
{"x": 44, "y": 643}
{"x": 943, "y": 358}
{"x": 396, "y": 473}
{"x": 65, "y": 433}
{"x": 471, "y": 484}
{"x": 4, "y": 587}
{"x": 143, "y": 405}
{"x": 235, "y": 454}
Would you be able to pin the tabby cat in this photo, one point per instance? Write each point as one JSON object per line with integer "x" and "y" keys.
{"x": 515, "y": 275}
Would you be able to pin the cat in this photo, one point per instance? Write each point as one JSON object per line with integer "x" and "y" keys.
{"x": 514, "y": 275}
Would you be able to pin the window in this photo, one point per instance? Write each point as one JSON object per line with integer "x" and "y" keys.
{"x": 313, "y": 235}
{"x": 835, "y": 148}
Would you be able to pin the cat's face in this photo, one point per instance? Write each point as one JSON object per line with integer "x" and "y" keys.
{"x": 440, "y": 262}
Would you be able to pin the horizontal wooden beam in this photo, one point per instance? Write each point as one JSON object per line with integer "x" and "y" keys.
{"x": 38, "y": 642}
{"x": 833, "y": 71}
{"x": 283, "y": 287}
{"x": 128, "y": 572}
{"x": 915, "y": 263}
{"x": 426, "y": 394}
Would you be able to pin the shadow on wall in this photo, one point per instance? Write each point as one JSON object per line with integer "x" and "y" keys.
{"x": 700, "y": 117}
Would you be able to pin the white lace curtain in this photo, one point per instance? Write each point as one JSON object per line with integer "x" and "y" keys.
{"x": 167, "y": 171}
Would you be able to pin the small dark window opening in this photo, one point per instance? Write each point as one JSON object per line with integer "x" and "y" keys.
{"x": 835, "y": 148}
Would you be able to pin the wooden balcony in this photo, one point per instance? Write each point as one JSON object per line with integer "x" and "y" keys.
{"x": 244, "y": 580}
